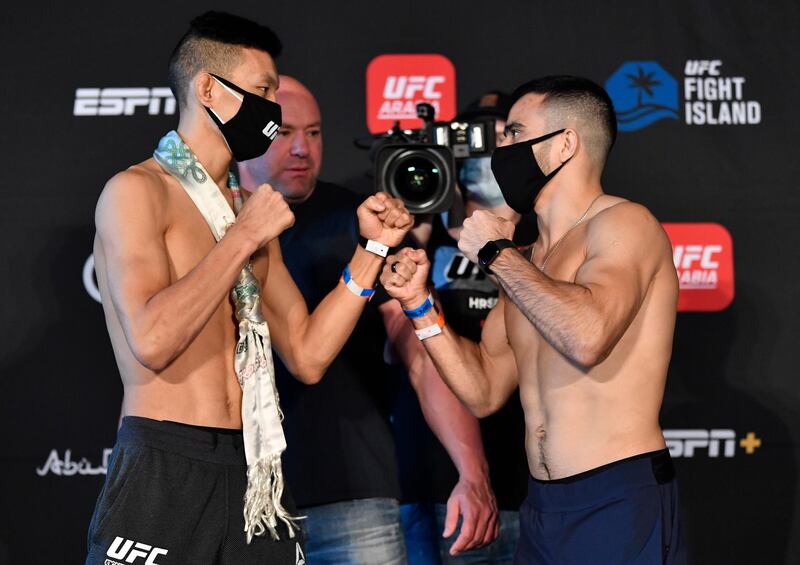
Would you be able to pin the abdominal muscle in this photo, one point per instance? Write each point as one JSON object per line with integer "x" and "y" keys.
{"x": 569, "y": 433}
{"x": 198, "y": 387}
{"x": 578, "y": 420}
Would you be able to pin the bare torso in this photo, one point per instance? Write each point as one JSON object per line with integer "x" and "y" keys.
{"x": 577, "y": 420}
{"x": 199, "y": 386}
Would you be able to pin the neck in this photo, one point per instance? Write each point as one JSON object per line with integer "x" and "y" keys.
{"x": 300, "y": 199}
{"x": 562, "y": 202}
{"x": 503, "y": 210}
{"x": 208, "y": 145}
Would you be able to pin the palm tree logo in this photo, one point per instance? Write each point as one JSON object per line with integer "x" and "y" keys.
{"x": 643, "y": 82}
{"x": 642, "y": 92}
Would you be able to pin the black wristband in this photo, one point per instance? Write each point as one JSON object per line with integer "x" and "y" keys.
{"x": 489, "y": 252}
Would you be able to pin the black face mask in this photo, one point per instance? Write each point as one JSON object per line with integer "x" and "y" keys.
{"x": 250, "y": 132}
{"x": 519, "y": 175}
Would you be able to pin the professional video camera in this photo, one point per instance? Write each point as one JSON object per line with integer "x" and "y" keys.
{"x": 419, "y": 166}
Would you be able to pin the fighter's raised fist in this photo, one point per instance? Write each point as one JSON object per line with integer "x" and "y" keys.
{"x": 479, "y": 229}
{"x": 405, "y": 276}
{"x": 384, "y": 219}
{"x": 264, "y": 216}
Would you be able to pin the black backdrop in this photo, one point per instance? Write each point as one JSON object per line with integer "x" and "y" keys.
{"x": 733, "y": 372}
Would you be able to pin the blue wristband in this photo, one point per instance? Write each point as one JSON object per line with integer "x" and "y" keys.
{"x": 353, "y": 287}
{"x": 420, "y": 310}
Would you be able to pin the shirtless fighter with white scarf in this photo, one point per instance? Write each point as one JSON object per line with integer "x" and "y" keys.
{"x": 195, "y": 294}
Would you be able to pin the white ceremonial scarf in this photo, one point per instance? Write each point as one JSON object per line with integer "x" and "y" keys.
{"x": 261, "y": 415}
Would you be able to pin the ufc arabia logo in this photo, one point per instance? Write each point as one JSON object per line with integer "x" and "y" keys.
{"x": 399, "y": 87}
{"x": 396, "y": 83}
{"x": 130, "y": 551}
{"x": 697, "y": 265}
{"x": 703, "y": 258}
{"x": 123, "y": 101}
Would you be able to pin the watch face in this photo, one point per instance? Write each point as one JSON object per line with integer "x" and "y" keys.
{"x": 487, "y": 253}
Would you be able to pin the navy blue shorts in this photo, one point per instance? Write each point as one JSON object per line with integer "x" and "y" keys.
{"x": 623, "y": 512}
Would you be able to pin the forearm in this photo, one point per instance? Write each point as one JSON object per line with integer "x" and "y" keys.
{"x": 328, "y": 327}
{"x": 457, "y": 430}
{"x": 458, "y": 361}
{"x": 171, "y": 319}
{"x": 563, "y": 313}
{"x": 452, "y": 424}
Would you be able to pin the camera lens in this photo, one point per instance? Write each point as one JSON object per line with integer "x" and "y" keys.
{"x": 416, "y": 178}
{"x": 421, "y": 175}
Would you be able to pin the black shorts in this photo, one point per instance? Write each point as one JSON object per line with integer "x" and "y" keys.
{"x": 174, "y": 494}
{"x": 624, "y": 512}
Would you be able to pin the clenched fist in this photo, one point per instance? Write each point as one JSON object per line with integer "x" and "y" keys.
{"x": 405, "y": 277}
{"x": 479, "y": 229}
{"x": 384, "y": 219}
{"x": 264, "y": 216}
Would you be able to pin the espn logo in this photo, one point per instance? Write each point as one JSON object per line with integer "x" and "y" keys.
{"x": 130, "y": 551}
{"x": 397, "y": 83}
{"x": 703, "y": 257}
{"x": 683, "y": 443}
{"x": 123, "y": 101}
{"x": 714, "y": 443}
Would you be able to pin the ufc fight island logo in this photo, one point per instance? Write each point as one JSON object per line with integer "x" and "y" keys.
{"x": 644, "y": 92}
{"x": 123, "y": 101}
{"x": 397, "y": 83}
{"x": 129, "y": 551}
{"x": 703, "y": 257}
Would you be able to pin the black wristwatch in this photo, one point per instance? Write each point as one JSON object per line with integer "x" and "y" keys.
{"x": 490, "y": 251}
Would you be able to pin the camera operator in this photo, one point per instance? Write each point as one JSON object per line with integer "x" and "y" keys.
{"x": 343, "y": 469}
{"x": 466, "y": 296}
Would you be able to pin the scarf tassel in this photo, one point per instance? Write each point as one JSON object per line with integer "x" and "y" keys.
{"x": 262, "y": 501}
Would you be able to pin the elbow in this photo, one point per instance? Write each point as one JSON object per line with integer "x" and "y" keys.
{"x": 309, "y": 374}
{"x": 591, "y": 353}
{"x": 151, "y": 354}
{"x": 480, "y": 411}
{"x": 483, "y": 409}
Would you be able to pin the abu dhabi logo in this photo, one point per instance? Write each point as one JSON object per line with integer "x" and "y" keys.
{"x": 643, "y": 93}
{"x": 68, "y": 466}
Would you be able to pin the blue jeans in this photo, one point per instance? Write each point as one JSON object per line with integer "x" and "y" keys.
{"x": 357, "y": 532}
{"x": 424, "y": 524}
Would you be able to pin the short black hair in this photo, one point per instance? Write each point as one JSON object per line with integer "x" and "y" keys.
{"x": 580, "y": 98}
{"x": 213, "y": 43}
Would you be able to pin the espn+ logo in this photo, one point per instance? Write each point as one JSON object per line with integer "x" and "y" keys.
{"x": 713, "y": 443}
{"x": 397, "y": 83}
{"x": 131, "y": 551}
{"x": 123, "y": 101}
{"x": 703, "y": 258}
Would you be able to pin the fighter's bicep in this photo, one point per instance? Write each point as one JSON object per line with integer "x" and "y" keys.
{"x": 130, "y": 233}
{"x": 622, "y": 255}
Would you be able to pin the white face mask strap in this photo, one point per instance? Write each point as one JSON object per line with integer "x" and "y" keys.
{"x": 235, "y": 94}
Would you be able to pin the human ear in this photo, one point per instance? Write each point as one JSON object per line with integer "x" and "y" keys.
{"x": 570, "y": 145}
{"x": 204, "y": 87}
